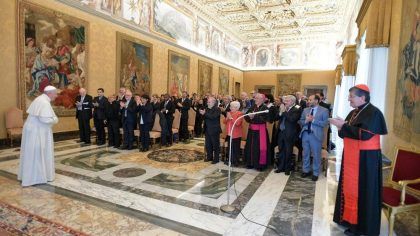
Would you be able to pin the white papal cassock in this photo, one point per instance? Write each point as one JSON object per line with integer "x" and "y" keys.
{"x": 37, "y": 149}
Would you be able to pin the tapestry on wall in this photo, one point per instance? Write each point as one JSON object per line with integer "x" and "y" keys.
{"x": 133, "y": 64}
{"x": 52, "y": 51}
{"x": 288, "y": 83}
{"x": 178, "y": 73}
{"x": 171, "y": 21}
{"x": 205, "y": 74}
{"x": 407, "y": 101}
{"x": 223, "y": 81}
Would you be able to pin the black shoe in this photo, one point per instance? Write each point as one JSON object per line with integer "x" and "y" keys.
{"x": 349, "y": 232}
{"x": 130, "y": 148}
{"x": 141, "y": 149}
{"x": 314, "y": 178}
{"x": 214, "y": 162}
{"x": 287, "y": 172}
{"x": 249, "y": 167}
{"x": 304, "y": 175}
{"x": 207, "y": 160}
{"x": 278, "y": 171}
{"x": 123, "y": 147}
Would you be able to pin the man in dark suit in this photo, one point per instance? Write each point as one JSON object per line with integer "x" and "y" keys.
{"x": 145, "y": 109}
{"x": 168, "y": 110}
{"x": 212, "y": 130}
{"x": 301, "y": 105}
{"x": 300, "y": 101}
{"x": 288, "y": 117}
{"x": 184, "y": 105}
{"x": 99, "y": 116}
{"x": 225, "y": 105}
{"x": 84, "y": 114}
{"x": 128, "y": 112}
{"x": 113, "y": 120}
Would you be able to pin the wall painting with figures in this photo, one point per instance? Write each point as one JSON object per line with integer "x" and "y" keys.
{"x": 223, "y": 81}
{"x": 52, "y": 51}
{"x": 407, "y": 100}
{"x": 134, "y": 59}
{"x": 178, "y": 73}
{"x": 205, "y": 74}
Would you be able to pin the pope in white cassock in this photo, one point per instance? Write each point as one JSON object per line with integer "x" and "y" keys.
{"x": 37, "y": 149}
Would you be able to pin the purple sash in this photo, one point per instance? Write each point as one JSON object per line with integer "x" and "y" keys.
{"x": 261, "y": 128}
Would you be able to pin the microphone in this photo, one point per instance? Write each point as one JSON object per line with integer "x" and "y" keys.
{"x": 257, "y": 112}
{"x": 228, "y": 208}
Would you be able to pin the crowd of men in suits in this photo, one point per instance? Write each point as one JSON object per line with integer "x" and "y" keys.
{"x": 299, "y": 121}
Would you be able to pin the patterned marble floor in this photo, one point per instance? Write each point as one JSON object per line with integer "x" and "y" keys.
{"x": 106, "y": 191}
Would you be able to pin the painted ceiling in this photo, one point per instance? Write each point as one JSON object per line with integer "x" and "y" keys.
{"x": 256, "y": 21}
{"x": 247, "y": 34}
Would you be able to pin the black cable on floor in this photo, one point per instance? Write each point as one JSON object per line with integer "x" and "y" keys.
{"x": 240, "y": 211}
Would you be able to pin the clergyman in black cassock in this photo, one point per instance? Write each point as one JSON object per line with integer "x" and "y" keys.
{"x": 359, "y": 194}
{"x": 257, "y": 141}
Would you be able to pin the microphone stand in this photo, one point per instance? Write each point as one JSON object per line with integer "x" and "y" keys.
{"x": 228, "y": 208}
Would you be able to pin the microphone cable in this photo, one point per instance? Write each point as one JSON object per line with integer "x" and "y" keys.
{"x": 274, "y": 229}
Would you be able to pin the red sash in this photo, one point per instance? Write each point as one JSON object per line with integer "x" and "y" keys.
{"x": 261, "y": 128}
{"x": 350, "y": 178}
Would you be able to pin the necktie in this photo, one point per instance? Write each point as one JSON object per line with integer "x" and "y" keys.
{"x": 125, "y": 111}
{"x": 310, "y": 123}
{"x": 282, "y": 123}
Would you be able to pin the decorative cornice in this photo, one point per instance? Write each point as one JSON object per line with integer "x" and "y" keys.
{"x": 362, "y": 12}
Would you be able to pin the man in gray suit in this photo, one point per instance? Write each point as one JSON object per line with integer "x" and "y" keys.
{"x": 313, "y": 120}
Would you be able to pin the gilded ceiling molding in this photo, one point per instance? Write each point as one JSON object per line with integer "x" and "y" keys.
{"x": 379, "y": 24}
{"x": 349, "y": 60}
{"x": 338, "y": 74}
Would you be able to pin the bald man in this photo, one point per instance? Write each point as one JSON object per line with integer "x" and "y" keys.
{"x": 84, "y": 107}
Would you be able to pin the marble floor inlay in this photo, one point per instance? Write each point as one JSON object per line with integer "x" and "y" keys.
{"x": 293, "y": 213}
{"x": 90, "y": 161}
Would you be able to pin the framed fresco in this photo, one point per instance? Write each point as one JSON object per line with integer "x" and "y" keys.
{"x": 178, "y": 73}
{"x": 407, "y": 96}
{"x": 205, "y": 74}
{"x": 314, "y": 89}
{"x": 134, "y": 58}
{"x": 262, "y": 57}
{"x": 288, "y": 83}
{"x": 171, "y": 22}
{"x": 223, "y": 81}
{"x": 265, "y": 89}
{"x": 52, "y": 50}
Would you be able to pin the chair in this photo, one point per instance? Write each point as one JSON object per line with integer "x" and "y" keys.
{"x": 191, "y": 121}
{"x": 401, "y": 193}
{"x": 14, "y": 123}
{"x": 156, "y": 131}
{"x": 176, "y": 122}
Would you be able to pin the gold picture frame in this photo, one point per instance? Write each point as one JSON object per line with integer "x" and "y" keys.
{"x": 205, "y": 75}
{"x": 178, "y": 73}
{"x": 52, "y": 50}
{"x": 134, "y": 64}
